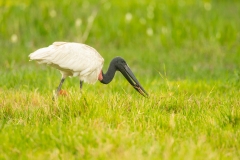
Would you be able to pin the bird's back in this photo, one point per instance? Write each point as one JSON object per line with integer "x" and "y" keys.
{"x": 72, "y": 59}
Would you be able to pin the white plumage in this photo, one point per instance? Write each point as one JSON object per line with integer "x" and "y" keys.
{"x": 72, "y": 59}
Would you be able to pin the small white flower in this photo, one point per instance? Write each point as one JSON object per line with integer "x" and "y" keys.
{"x": 52, "y": 13}
{"x": 207, "y": 6}
{"x": 150, "y": 15}
{"x": 14, "y": 38}
{"x": 149, "y": 31}
{"x": 150, "y": 12}
{"x": 78, "y": 22}
{"x": 164, "y": 30}
{"x": 128, "y": 17}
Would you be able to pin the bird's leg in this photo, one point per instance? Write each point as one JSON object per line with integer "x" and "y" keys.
{"x": 60, "y": 85}
{"x": 81, "y": 84}
{"x": 59, "y": 88}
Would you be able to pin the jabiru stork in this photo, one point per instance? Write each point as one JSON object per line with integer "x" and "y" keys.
{"x": 76, "y": 59}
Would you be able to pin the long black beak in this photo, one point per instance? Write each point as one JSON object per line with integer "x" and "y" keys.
{"x": 128, "y": 74}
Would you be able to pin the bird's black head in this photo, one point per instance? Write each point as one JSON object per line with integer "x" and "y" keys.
{"x": 120, "y": 64}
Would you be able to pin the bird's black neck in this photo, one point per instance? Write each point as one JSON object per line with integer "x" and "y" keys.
{"x": 109, "y": 75}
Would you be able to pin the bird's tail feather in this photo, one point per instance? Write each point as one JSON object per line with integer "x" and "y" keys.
{"x": 39, "y": 54}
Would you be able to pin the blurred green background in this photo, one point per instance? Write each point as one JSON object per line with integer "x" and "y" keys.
{"x": 185, "y": 53}
{"x": 185, "y": 39}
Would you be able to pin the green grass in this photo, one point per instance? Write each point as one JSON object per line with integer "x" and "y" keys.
{"x": 186, "y": 54}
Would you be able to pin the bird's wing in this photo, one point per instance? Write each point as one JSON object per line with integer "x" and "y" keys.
{"x": 80, "y": 59}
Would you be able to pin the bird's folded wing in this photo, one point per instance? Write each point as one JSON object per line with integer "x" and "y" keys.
{"x": 75, "y": 57}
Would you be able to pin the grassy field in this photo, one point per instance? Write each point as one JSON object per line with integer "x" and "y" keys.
{"x": 186, "y": 54}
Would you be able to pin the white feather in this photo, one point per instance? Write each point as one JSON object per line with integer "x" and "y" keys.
{"x": 72, "y": 59}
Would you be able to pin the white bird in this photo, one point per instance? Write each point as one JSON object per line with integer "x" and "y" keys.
{"x": 76, "y": 59}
